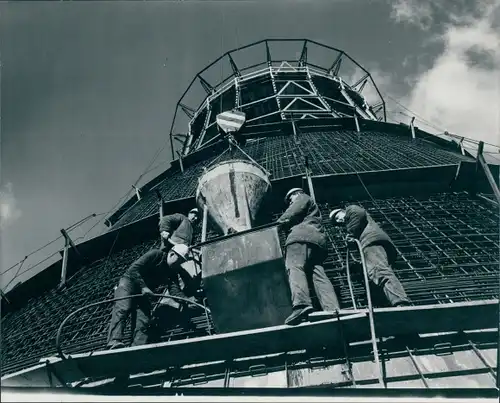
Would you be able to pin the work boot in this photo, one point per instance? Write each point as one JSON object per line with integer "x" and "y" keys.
{"x": 321, "y": 315}
{"x": 298, "y": 315}
{"x": 116, "y": 345}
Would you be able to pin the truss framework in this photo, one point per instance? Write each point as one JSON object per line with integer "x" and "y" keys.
{"x": 276, "y": 90}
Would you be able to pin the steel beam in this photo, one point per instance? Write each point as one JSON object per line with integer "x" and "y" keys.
{"x": 187, "y": 110}
{"x": 206, "y": 86}
{"x": 303, "y": 55}
{"x": 234, "y": 67}
{"x": 335, "y": 67}
{"x": 268, "y": 54}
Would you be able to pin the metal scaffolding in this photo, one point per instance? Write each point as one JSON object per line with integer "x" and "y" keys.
{"x": 449, "y": 252}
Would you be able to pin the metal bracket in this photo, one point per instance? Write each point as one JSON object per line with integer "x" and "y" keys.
{"x": 412, "y": 127}
{"x": 317, "y": 362}
{"x": 258, "y": 370}
{"x": 52, "y": 372}
{"x": 443, "y": 349}
{"x": 481, "y": 162}
{"x": 180, "y": 161}
{"x": 382, "y": 353}
{"x": 137, "y": 192}
{"x": 160, "y": 202}
{"x": 457, "y": 173}
{"x": 67, "y": 243}
{"x": 198, "y": 379}
{"x": 356, "y": 121}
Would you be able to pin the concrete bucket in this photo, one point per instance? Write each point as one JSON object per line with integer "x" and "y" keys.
{"x": 233, "y": 192}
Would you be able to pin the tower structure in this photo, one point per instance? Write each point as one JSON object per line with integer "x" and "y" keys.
{"x": 315, "y": 119}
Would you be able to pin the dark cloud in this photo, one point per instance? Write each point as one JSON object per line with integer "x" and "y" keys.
{"x": 478, "y": 57}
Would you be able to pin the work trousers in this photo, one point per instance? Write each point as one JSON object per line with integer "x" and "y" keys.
{"x": 303, "y": 264}
{"x": 380, "y": 272}
{"x": 139, "y": 307}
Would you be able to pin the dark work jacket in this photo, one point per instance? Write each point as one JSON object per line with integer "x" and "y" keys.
{"x": 179, "y": 227}
{"x": 360, "y": 225}
{"x": 150, "y": 270}
{"x": 304, "y": 219}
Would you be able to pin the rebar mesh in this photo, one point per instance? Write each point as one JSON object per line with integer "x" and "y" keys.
{"x": 469, "y": 362}
{"x": 329, "y": 152}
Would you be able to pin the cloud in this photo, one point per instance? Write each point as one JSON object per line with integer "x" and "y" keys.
{"x": 460, "y": 90}
{"x": 418, "y": 13}
{"x": 9, "y": 210}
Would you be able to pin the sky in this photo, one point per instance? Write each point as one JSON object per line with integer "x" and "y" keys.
{"x": 88, "y": 90}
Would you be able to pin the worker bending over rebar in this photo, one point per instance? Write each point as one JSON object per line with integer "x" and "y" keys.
{"x": 151, "y": 270}
{"x": 306, "y": 250}
{"x": 177, "y": 229}
{"x": 377, "y": 248}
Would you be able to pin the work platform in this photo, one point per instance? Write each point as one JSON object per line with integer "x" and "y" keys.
{"x": 352, "y": 326}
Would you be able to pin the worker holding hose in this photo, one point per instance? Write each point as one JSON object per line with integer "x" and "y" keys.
{"x": 306, "y": 249}
{"x": 377, "y": 248}
{"x": 151, "y": 270}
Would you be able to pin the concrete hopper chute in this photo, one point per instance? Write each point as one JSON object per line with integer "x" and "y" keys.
{"x": 233, "y": 192}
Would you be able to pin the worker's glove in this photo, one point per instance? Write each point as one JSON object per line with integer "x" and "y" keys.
{"x": 187, "y": 306}
{"x": 281, "y": 224}
{"x": 146, "y": 291}
{"x": 170, "y": 302}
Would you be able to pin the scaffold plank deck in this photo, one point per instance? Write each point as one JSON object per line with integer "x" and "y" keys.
{"x": 389, "y": 322}
{"x": 437, "y": 318}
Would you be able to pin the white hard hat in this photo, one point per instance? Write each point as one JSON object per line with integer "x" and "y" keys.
{"x": 291, "y": 192}
{"x": 194, "y": 210}
{"x": 181, "y": 250}
{"x": 333, "y": 213}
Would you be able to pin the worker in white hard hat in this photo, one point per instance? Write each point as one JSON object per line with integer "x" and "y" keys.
{"x": 181, "y": 282}
{"x": 178, "y": 229}
{"x": 151, "y": 270}
{"x": 378, "y": 250}
{"x": 306, "y": 249}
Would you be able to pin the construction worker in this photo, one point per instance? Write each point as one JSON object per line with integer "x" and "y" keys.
{"x": 151, "y": 270}
{"x": 306, "y": 249}
{"x": 378, "y": 250}
{"x": 177, "y": 228}
{"x": 170, "y": 311}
